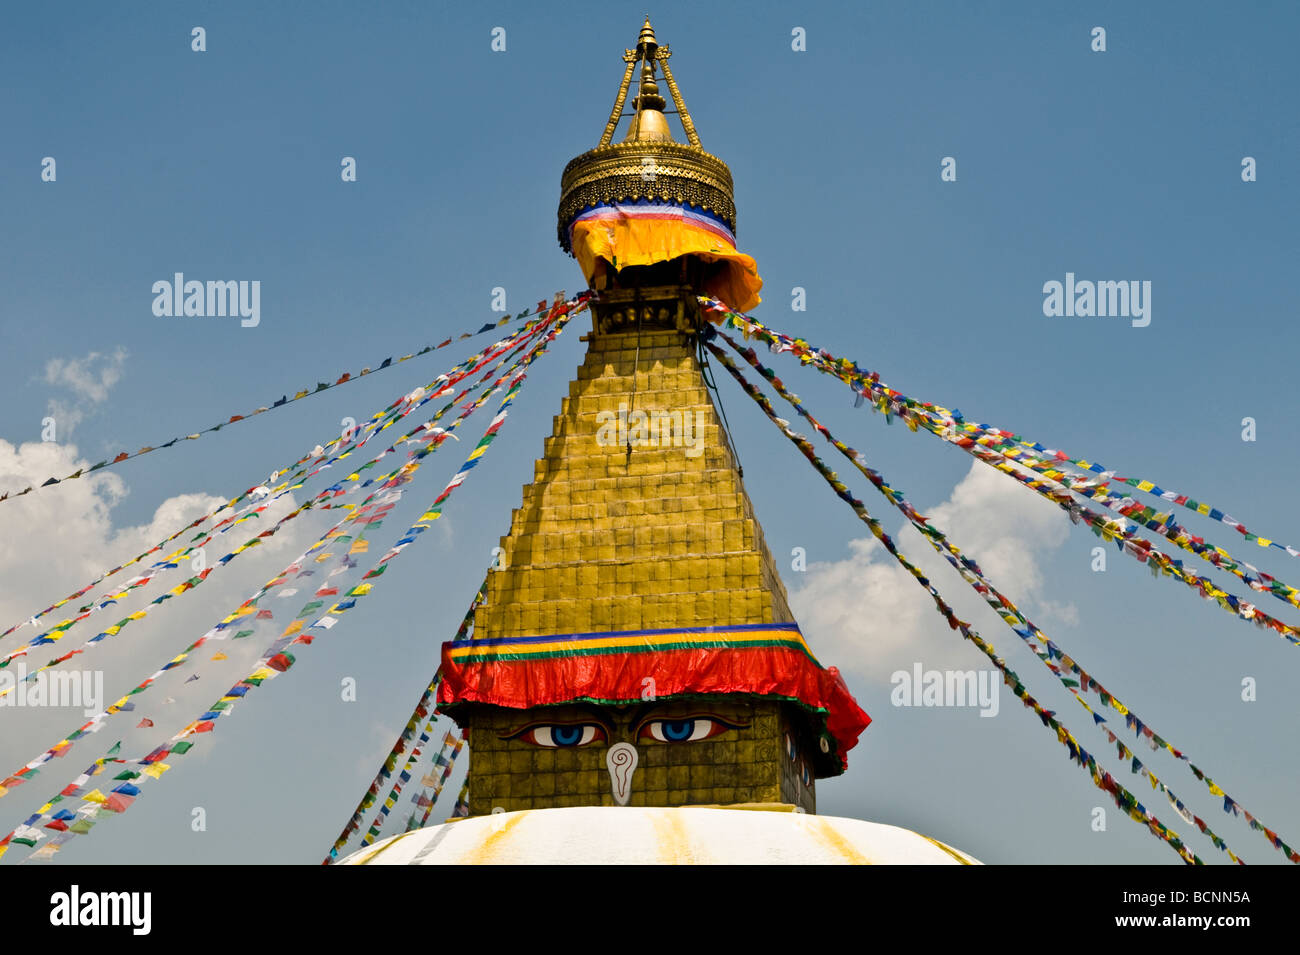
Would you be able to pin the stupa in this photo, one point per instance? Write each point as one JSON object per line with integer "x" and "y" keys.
{"x": 634, "y": 684}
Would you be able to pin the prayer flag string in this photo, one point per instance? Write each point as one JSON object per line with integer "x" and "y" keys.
{"x": 949, "y": 426}
{"x": 434, "y": 436}
{"x": 896, "y": 403}
{"x": 429, "y": 801}
{"x": 260, "y": 492}
{"x": 1127, "y": 802}
{"x": 410, "y": 404}
{"x": 343, "y": 379}
{"x": 276, "y": 660}
{"x": 1027, "y": 631}
{"x": 422, "y": 708}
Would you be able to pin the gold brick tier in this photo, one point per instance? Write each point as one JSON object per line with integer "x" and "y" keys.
{"x": 664, "y": 537}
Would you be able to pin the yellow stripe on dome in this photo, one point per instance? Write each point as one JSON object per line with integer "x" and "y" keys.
{"x": 830, "y": 837}
{"x": 485, "y": 853}
{"x": 961, "y": 859}
{"x": 673, "y": 840}
{"x": 365, "y": 860}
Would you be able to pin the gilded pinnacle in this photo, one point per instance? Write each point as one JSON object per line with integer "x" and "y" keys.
{"x": 648, "y": 162}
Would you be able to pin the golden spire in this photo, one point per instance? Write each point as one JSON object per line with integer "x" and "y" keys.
{"x": 649, "y": 123}
{"x": 648, "y": 163}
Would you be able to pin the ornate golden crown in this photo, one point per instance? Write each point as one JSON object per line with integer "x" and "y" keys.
{"x": 647, "y": 164}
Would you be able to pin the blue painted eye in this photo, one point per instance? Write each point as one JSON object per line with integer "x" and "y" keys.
{"x": 683, "y": 731}
{"x": 566, "y": 735}
{"x": 553, "y": 735}
{"x": 677, "y": 730}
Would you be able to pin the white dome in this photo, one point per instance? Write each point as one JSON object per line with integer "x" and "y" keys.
{"x": 605, "y": 835}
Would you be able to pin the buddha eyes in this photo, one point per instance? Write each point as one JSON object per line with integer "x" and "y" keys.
{"x": 682, "y": 731}
{"x": 573, "y": 735}
{"x": 564, "y": 735}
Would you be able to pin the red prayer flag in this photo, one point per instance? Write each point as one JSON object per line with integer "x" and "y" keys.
{"x": 118, "y": 802}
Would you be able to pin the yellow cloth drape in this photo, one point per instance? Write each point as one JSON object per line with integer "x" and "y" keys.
{"x": 633, "y": 240}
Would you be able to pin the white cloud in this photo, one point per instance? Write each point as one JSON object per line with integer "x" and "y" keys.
{"x": 56, "y": 540}
{"x": 89, "y": 378}
{"x": 867, "y": 615}
{"x": 1006, "y": 528}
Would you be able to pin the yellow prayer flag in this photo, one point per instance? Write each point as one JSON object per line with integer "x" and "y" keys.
{"x": 156, "y": 769}
{"x": 219, "y": 656}
{"x": 95, "y": 796}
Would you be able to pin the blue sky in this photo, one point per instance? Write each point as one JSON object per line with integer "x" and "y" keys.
{"x": 225, "y": 164}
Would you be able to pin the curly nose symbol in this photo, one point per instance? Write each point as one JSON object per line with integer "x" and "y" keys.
{"x": 621, "y": 761}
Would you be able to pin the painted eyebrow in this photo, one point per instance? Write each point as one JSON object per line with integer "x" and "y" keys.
{"x": 652, "y": 717}
{"x": 585, "y": 720}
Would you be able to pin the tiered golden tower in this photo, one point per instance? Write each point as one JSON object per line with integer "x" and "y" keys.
{"x": 635, "y": 646}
